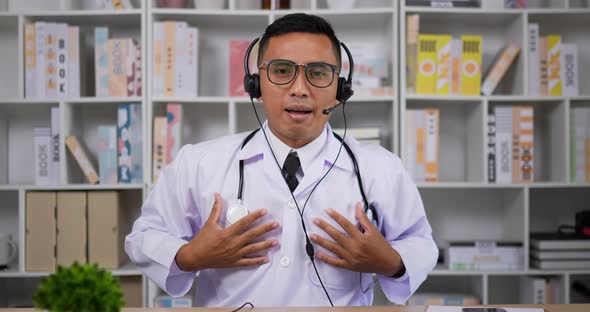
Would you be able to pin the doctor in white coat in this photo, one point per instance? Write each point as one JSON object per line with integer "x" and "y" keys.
{"x": 286, "y": 216}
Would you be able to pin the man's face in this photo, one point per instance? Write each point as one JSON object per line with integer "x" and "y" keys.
{"x": 294, "y": 110}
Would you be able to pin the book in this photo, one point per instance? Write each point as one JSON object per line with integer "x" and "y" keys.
{"x": 569, "y": 69}
{"x": 42, "y": 149}
{"x": 456, "y": 55}
{"x": 561, "y": 264}
{"x": 101, "y": 61}
{"x": 31, "y": 74}
{"x": 55, "y": 171}
{"x": 426, "y": 73}
{"x": 501, "y": 65}
{"x": 173, "y": 131}
{"x": 432, "y": 298}
{"x": 515, "y": 4}
{"x": 50, "y": 52}
{"x": 443, "y": 64}
{"x": 118, "y": 51}
{"x": 532, "y": 290}
{"x": 180, "y": 58}
{"x": 471, "y": 65}
{"x": 543, "y": 67}
{"x": 40, "y": 33}
{"x": 159, "y": 146}
{"x": 491, "y": 146}
{"x": 158, "y": 59}
{"x": 534, "y": 73}
{"x": 191, "y": 74}
{"x": 445, "y": 3}
{"x": 129, "y": 137}
{"x": 554, "y": 65}
{"x": 557, "y": 241}
{"x": 422, "y": 136}
{"x": 580, "y": 144}
{"x": 74, "y": 61}
{"x": 503, "y": 141}
{"x": 62, "y": 59}
{"x": 82, "y": 159}
{"x": 522, "y": 144}
{"x": 107, "y": 154}
{"x": 237, "y": 50}
{"x": 412, "y": 31}
{"x": 484, "y": 255}
{"x": 560, "y": 254}
{"x": 169, "y": 68}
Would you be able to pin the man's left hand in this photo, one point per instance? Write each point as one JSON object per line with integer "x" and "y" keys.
{"x": 358, "y": 251}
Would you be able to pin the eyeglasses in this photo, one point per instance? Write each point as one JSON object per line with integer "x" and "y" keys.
{"x": 281, "y": 72}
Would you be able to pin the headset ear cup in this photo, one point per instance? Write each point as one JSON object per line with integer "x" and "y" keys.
{"x": 256, "y": 92}
{"x": 339, "y": 90}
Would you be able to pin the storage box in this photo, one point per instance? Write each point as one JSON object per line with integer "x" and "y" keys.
{"x": 71, "y": 228}
{"x": 105, "y": 229}
{"x": 40, "y": 231}
{"x": 132, "y": 291}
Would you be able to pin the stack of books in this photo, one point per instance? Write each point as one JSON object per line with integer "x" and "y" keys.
{"x": 554, "y": 251}
{"x": 485, "y": 256}
{"x": 363, "y": 135}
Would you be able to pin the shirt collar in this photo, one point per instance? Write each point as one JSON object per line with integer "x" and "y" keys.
{"x": 325, "y": 145}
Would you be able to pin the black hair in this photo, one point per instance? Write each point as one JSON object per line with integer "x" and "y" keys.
{"x": 299, "y": 22}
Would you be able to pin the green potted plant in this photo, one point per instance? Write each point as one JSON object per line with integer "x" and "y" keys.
{"x": 85, "y": 288}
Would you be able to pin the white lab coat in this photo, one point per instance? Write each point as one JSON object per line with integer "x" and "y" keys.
{"x": 183, "y": 196}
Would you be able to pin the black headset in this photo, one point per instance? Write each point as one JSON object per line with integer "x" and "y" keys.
{"x": 252, "y": 81}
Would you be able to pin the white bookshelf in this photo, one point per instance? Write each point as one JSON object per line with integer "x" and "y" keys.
{"x": 461, "y": 205}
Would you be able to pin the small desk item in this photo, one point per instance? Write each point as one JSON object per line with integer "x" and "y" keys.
{"x": 435, "y": 308}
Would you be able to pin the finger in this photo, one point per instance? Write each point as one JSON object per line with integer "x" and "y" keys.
{"x": 363, "y": 219}
{"x": 350, "y": 228}
{"x": 332, "y": 231}
{"x": 330, "y": 245}
{"x": 257, "y": 247}
{"x": 258, "y": 231}
{"x": 250, "y": 261}
{"x": 244, "y": 222}
{"x": 341, "y": 263}
{"x": 215, "y": 215}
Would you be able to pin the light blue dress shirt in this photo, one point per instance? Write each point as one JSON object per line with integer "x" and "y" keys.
{"x": 183, "y": 196}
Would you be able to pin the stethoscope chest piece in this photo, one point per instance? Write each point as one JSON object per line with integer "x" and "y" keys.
{"x": 235, "y": 212}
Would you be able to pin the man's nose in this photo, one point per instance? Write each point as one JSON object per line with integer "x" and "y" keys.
{"x": 300, "y": 86}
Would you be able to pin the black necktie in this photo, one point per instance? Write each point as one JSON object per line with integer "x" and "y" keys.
{"x": 290, "y": 168}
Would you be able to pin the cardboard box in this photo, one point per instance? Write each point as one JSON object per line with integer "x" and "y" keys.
{"x": 132, "y": 291}
{"x": 40, "y": 237}
{"x": 71, "y": 228}
{"x": 106, "y": 232}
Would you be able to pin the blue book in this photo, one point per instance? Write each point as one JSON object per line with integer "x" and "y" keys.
{"x": 107, "y": 154}
{"x": 130, "y": 143}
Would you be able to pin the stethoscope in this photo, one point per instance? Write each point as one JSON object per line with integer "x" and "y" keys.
{"x": 237, "y": 210}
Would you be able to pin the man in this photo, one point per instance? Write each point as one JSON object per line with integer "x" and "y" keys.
{"x": 187, "y": 224}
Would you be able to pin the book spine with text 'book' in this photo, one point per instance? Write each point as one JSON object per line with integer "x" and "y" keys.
{"x": 42, "y": 141}
{"x": 55, "y": 146}
{"x": 569, "y": 69}
{"x": 503, "y": 117}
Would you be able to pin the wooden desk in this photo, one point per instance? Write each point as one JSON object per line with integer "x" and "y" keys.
{"x": 548, "y": 308}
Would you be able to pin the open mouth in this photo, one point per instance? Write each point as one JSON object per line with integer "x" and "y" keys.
{"x": 298, "y": 111}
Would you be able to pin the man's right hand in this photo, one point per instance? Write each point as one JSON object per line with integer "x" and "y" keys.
{"x": 218, "y": 247}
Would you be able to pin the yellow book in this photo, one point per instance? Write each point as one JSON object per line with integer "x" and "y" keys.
{"x": 471, "y": 65}
{"x": 443, "y": 64}
{"x": 426, "y": 76}
{"x": 554, "y": 64}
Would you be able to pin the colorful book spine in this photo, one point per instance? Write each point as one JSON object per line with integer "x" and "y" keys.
{"x": 107, "y": 154}
{"x": 82, "y": 159}
{"x": 51, "y": 61}
{"x": 158, "y": 61}
{"x": 543, "y": 67}
{"x": 31, "y": 75}
{"x": 62, "y": 60}
{"x": 569, "y": 69}
{"x": 138, "y": 71}
{"x": 422, "y": 139}
{"x": 159, "y": 146}
{"x": 412, "y": 31}
{"x": 130, "y": 67}
{"x": 118, "y": 56}
{"x": 73, "y": 62}
{"x": 471, "y": 65}
{"x": 431, "y": 146}
{"x": 129, "y": 139}
{"x": 55, "y": 146}
{"x": 42, "y": 141}
{"x": 191, "y": 68}
{"x": 554, "y": 64}
{"x": 41, "y": 33}
{"x": 174, "y": 131}
{"x": 443, "y": 64}
{"x": 426, "y": 75}
{"x": 491, "y": 146}
{"x": 456, "y": 55}
{"x": 169, "y": 59}
{"x": 101, "y": 61}
{"x": 503, "y": 144}
{"x": 525, "y": 165}
{"x": 237, "y": 50}
{"x": 509, "y": 54}
{"x": 534, "y": 73}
